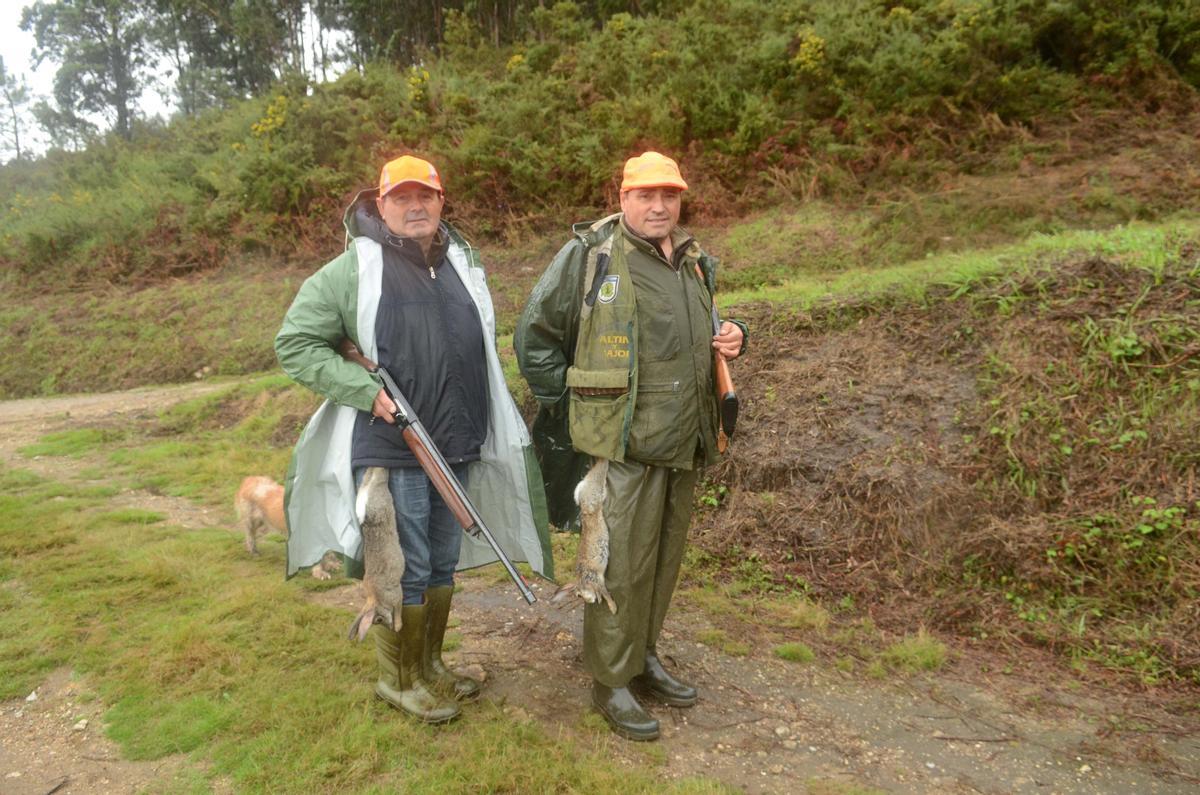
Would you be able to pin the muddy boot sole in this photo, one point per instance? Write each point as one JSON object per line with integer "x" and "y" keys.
{"x": 423, "y": 717}
{"x": 638, "y": 725}
{"x": 624, "y": 731}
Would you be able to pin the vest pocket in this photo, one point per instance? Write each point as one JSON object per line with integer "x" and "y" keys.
{"x": 599, "y": 399}
{"x": 658, "y": 332}
{"x": 654, "y": 434}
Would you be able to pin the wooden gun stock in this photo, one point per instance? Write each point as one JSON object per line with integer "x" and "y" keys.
{"x": 727, "y": 401}
{"x": 438, "y": 478}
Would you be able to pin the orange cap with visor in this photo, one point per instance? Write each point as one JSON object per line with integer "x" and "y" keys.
{"x": 651, "y": 170}
{"x": 408, "y": 169}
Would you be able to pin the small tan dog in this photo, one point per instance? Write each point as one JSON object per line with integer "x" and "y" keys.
{"x": 259, "y": 504}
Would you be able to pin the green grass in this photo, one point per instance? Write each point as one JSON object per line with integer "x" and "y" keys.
{"x": 129, "y": 337}
{"x": 920, "y": 652}
{"x": 1150, "y": 244}
{"x": 794, "y": 652}
{"x": 74, "y": 443}
{"x": 195, "y": 649}
{"x": 202, "y": 448}
{"x": 132, "y": 516}
{"x": 719, "y": 639}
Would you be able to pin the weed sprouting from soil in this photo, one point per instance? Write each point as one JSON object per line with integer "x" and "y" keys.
{"x": 919, "y": 652}
{"x": 794, "y": 652}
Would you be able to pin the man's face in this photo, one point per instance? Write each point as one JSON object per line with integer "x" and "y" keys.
{"x": 651, "y": 212}
{"x": 412, "y": 210}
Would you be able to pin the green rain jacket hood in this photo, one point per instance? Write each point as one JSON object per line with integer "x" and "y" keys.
{"x": 341, "y": 300}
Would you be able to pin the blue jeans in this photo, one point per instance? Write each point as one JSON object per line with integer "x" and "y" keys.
{"x": 430, "y": 536}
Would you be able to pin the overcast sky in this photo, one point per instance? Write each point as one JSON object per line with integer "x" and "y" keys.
{"x": 17, "y": 48}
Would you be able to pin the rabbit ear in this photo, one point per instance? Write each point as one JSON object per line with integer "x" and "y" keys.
{"x": 362, "y": 624}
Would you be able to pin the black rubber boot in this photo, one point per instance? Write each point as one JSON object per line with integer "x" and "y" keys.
{"x": 623, "y": 713}
{"x": 655, "y": 680}
{"x": 436, "y": 672}
{"x": 400, "y": 684}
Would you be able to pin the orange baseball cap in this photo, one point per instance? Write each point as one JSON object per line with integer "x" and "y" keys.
{"x": 651, "y": 170}
{"x": 408, "y": 169}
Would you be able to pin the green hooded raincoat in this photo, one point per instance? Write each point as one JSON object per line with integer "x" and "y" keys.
{"x": 341, "y": 300}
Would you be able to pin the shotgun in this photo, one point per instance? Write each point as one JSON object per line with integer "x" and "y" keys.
{"x": 443, "y": 479}
{"x": 727, "y": 399}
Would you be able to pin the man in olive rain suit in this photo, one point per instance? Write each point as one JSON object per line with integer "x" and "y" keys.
{"x": 616, "y": 342}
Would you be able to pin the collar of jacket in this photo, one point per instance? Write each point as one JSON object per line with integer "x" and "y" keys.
{"x": 592, "y": 232}
{"x": 410, "y": 250}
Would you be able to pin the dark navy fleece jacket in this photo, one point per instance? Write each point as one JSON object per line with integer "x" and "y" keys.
{"x": 430, "y": 340}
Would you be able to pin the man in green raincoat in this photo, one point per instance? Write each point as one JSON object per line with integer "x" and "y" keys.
{"x": 409, "y": 293}
{"x": 616, "y": 342}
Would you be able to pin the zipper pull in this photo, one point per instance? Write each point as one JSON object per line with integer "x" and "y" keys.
{"x": 432, "y": 275}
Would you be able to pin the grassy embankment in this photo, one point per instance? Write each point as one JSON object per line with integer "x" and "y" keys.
{"x": 1056, "y": 503}
{"x": 1074, "y": 116}
{"x": 101, "y": 338}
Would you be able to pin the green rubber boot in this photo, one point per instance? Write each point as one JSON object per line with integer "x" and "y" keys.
{"x": 436, "y": 672}
{"x": 659, "y": 683}
{"x": 623, "y": 713}
{"x": 400, "y": 683}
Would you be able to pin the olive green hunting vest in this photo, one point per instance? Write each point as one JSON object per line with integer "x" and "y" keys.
{"x": 638, "y": 387}
{"x": 603, "y": 378}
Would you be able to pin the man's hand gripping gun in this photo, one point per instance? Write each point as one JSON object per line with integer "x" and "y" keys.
{"x": 447, "y": 485}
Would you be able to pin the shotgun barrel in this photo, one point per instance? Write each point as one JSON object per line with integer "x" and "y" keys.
{"x": 443, "y": 479}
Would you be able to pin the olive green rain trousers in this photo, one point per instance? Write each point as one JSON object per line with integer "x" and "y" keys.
{"x": 648, "y": 510}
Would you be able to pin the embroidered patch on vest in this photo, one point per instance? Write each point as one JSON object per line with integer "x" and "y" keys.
{"x": 608, "y": 290}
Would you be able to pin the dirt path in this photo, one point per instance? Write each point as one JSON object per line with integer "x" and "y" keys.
{"x": 762, "y": 725}
{"x": 53, "y": 739}
{"x": 23, "y": 422}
